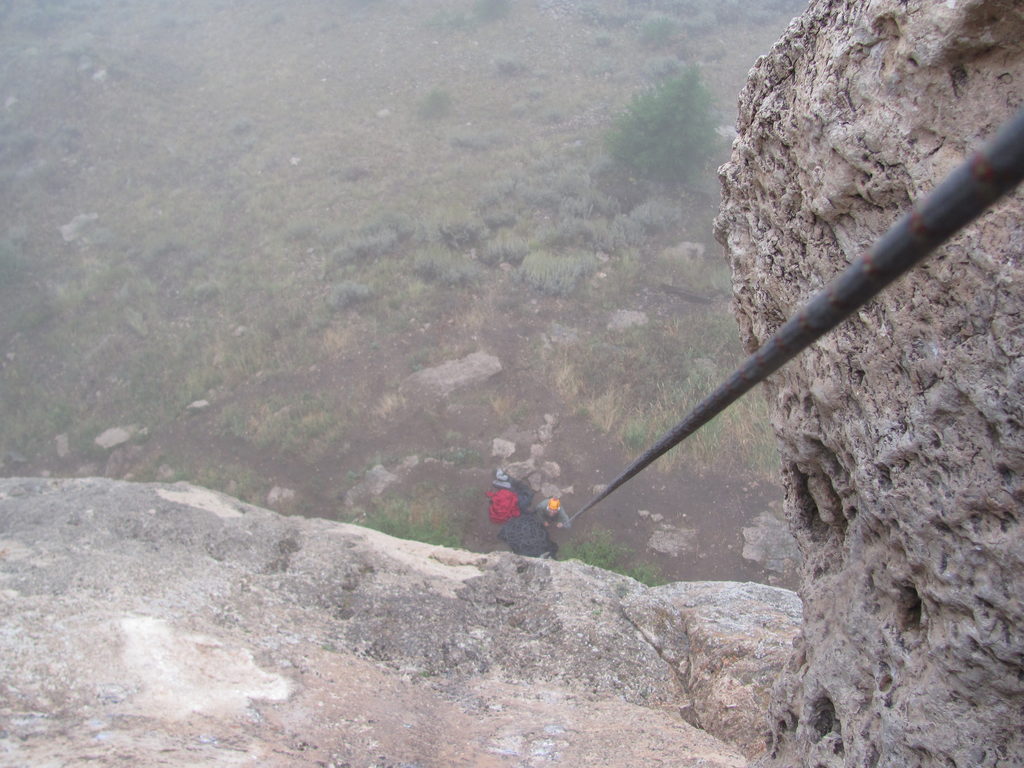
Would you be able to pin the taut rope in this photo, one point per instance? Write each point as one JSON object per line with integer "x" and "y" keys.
{"x": 991, "y": 172}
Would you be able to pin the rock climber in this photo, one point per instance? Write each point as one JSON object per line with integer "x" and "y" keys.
{"x": 550, "y": 513}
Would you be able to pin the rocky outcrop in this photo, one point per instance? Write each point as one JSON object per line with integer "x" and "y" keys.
{"x": 147, "y": 624}
{"x": 901, "y": 432}
{"x": 726, "y": 643}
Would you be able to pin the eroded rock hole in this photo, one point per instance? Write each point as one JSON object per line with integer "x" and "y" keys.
{"x": 807, "y": 507}
{"x": 958, "y": 77}
{"x": 824, "y": 720}
{"x": 909, "y": 604}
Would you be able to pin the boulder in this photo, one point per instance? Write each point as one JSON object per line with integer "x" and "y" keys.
{"x": 441, "y": 380}
{"x": 74, "y": 228}
{"x": 501, "y": 448}
{"x": 279, "y": 497}
{"x": 377, "y": 480}
{"x": 115, "y": 436}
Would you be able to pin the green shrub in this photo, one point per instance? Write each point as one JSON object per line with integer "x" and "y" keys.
{"x": 508, "y": 66}
{"x": 657, "y": 32}
{"x": 448, "y": 21}
{"x": 508, "y": 248}
{"x": 477, "y": 142}
{"x": 491, "y": 10}
{"x": 656, "y": 215}
{"x": 427, "y": 523}
{"x": 646, "y": 573}
{"x": 501, "y": 216}
{"x": 347, "y": 293}
{"x": 556, "y": 274}
{"x": 440, "y": 265}
{"x": 661, "y": 68}
{"x": 598, "y": 548}
{"x": 12, "y": 265}
{"x": 667, "y": 132}
{"x": 435, "y": 105}
{"x": 459, "y": 232}
{"x": 366, "y": 246}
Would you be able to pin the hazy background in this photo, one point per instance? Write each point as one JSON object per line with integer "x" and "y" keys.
{"x": 233, "y": 229}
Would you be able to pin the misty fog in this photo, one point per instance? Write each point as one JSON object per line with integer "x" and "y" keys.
{"x": 239, "y": 239}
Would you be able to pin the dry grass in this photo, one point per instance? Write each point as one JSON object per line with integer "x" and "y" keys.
{"x": 389, "y": 404}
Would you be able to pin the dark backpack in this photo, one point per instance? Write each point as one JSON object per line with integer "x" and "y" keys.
{"x": 526, "y": 535}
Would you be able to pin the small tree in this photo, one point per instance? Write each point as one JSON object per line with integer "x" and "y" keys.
{"x": 667, "y": 132}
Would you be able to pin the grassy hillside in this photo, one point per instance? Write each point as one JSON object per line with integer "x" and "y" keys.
{"x": 284, "y": 210}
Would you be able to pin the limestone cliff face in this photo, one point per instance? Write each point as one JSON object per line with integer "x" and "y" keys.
{"x": 902, "y": 433}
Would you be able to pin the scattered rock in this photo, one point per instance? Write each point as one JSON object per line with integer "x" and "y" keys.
{"x": 74, "y": 228}
{"x": 503, "y": 449}
{"x": 670, "y": 540}
{"x": 626, "y": 318}
{"x": 546, "y": 431}
{"x": 442, "y": 380}
{"x": 377, "y": 480}
{"x": 115, "y": 436}
{"x": 279, "y": 497}
{"x": 769, "y": 542}
{"x": 198, "y": 405}
{"x": 408, "y": 463}
{"x": 551, "y": 469}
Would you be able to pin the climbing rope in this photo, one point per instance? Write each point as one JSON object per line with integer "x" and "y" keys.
{"x": 992, "y": 171}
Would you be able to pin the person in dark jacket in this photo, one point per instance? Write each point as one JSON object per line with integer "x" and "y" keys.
{"x": 551, "y": 514}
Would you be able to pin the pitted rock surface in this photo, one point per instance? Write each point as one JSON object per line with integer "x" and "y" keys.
{"x": 902, "y": 432}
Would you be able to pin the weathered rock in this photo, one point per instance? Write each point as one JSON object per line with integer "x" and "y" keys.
{"x": 377, "y": 480}
{"x": 901, "y": 432}
{"x": 502, "y": 448}
{"x": 727, "y": 643}
{"x": 74, "y": 228}
{"x": 769, "y": 543}
{"x": 672, "y": 540}
{"x": 169, "y": 625}
{"x": 279, "y": 497}
{"x": 442, "y": 380}
{"x": 115, "y": 436}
